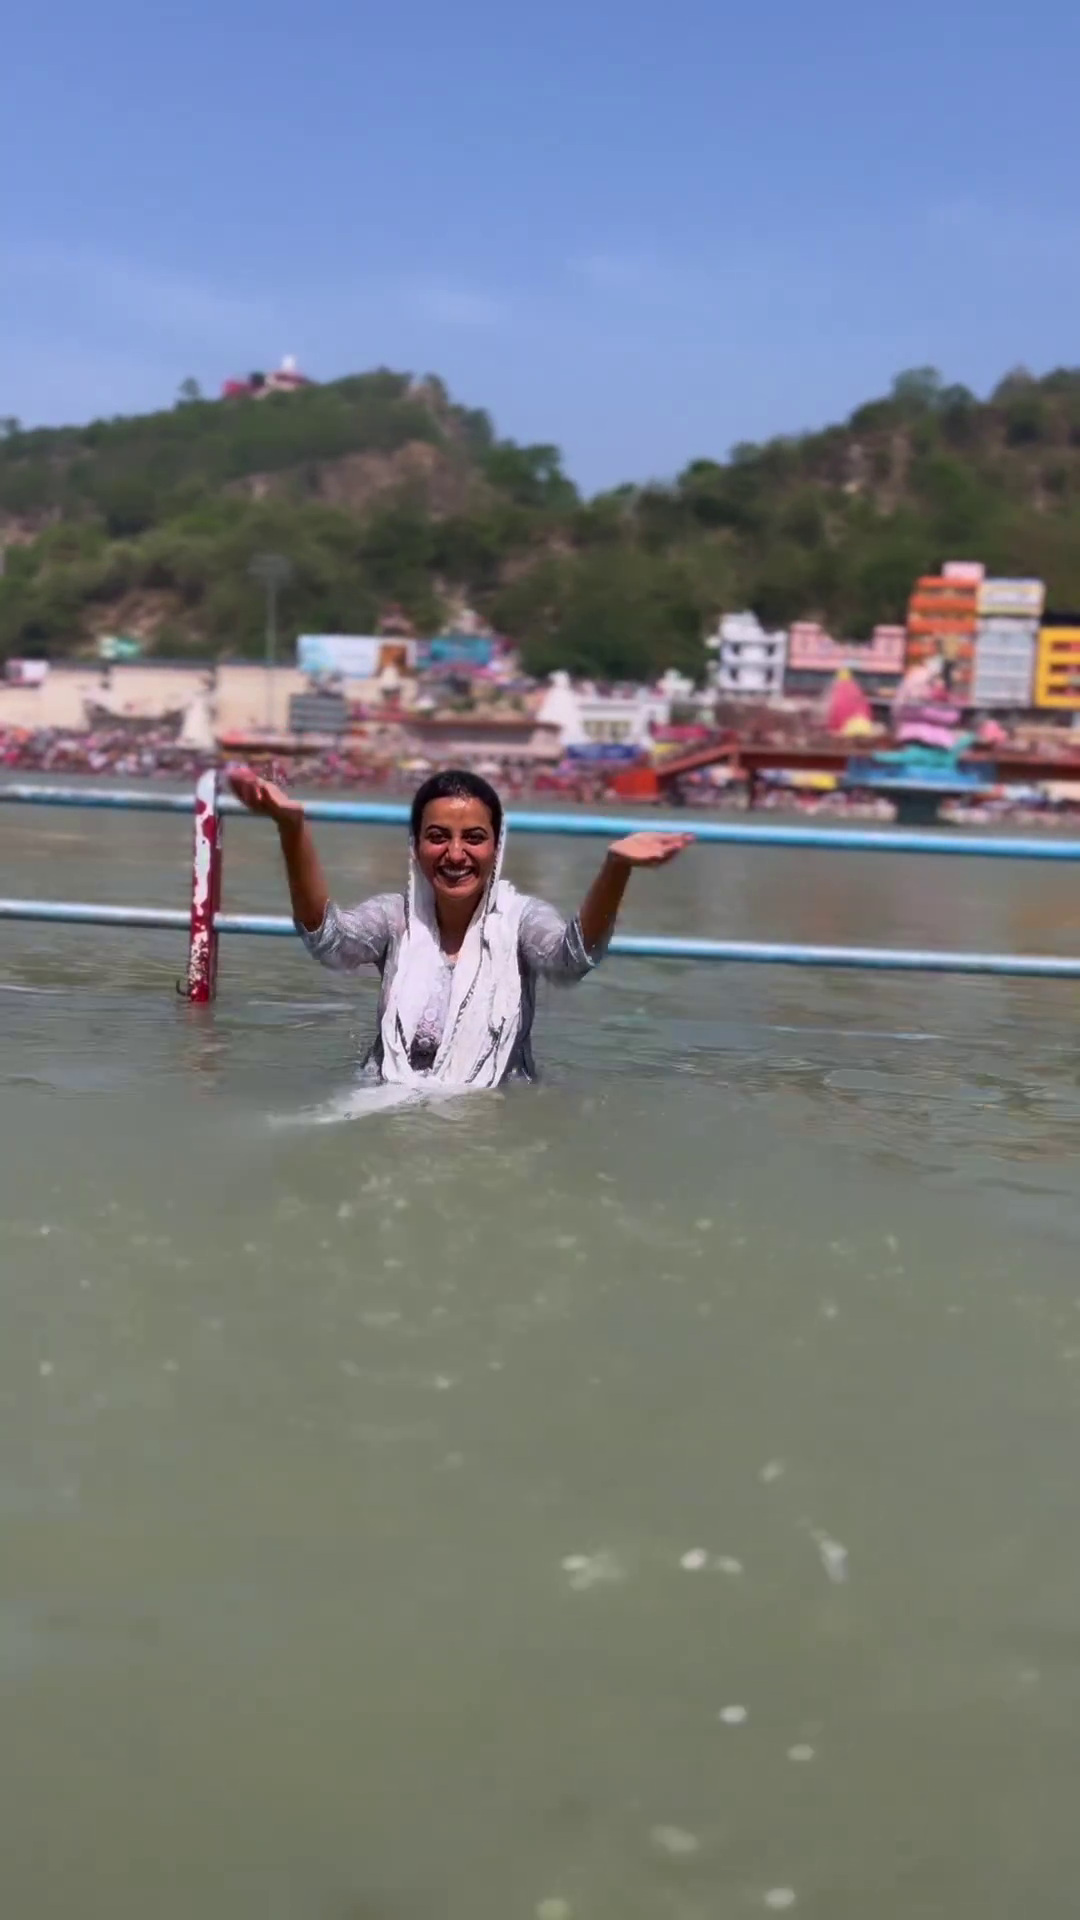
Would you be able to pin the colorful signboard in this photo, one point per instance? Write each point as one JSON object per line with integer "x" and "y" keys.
{"x": 812, "y": 650}
{"x": 468, "y": 650}
{"x": 118, "y": 646}
{"x": 355, "y": 656}
{"x": 1021, "y": 599}
{"x": 1057, "y": 668}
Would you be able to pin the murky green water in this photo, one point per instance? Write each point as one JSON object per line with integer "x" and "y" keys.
{"x": 349, "y": 1472}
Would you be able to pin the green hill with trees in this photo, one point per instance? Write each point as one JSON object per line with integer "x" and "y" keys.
{"x": 379, "y": 488}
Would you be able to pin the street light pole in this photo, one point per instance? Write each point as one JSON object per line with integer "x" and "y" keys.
{"x": 274, "y": 571}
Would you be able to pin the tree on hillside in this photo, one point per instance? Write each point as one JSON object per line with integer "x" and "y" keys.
{"x": 530, "y": 476}
{"x": 380, "y": 488}
{"x": 918, "y": 390}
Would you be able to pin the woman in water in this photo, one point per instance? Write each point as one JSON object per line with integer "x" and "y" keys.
{"x": 460, "y": 951}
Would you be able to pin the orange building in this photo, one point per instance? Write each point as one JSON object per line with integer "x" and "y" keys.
{"x": 943, "y": 614}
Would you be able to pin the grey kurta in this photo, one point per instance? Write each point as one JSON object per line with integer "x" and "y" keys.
{"x": 549, "y": 948}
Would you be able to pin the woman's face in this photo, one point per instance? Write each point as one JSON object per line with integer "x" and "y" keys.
{"x": 456, "y": 849}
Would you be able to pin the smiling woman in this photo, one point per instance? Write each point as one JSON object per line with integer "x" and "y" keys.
{"x": 460, "y": 951}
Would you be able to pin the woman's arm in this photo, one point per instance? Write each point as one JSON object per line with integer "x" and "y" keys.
{"x": 339, "y": 938}
{"x": 600, "y": 907}
{"x": 308, "y": 890}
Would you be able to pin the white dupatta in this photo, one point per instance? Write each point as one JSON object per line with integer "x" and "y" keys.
{"x": 484, "y": 1014}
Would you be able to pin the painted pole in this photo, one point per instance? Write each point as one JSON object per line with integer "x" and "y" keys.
{"x": 206, "y": 865}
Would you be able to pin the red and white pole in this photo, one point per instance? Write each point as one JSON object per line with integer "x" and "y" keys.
{"x": 205, "y": 891}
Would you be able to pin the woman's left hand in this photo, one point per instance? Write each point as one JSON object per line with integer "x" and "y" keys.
{"x": 650, "y": 849}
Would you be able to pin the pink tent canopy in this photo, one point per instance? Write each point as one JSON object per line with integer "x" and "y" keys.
{"x": 846, "y": 702}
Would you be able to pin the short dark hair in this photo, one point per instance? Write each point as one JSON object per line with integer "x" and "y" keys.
{"x": 455, "y": 784}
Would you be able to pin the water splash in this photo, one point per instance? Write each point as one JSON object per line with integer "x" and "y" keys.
{"x": 587, "y": 1570}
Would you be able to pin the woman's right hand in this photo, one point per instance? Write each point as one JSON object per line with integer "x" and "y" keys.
{"x": 262, "y": 797}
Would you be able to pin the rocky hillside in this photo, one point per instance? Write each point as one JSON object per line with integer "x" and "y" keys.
{"x": 379, "y": 488}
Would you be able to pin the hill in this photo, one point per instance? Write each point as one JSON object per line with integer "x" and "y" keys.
{"x": 379, "y": 488}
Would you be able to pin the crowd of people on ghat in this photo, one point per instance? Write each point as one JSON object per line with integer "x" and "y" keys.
{"x": 149, "y": 753}
{"x": 155, "y": 753}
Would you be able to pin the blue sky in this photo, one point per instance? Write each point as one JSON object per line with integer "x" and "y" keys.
{"x": 645, "y": 231}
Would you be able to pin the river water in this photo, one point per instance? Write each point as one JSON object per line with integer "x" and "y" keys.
{"x": 649, "y": 1496}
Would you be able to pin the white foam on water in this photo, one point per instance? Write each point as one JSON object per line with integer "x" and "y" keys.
{"x": 781, "y": 1899}
{"x": 733, "y": 1716}
{"x": 586, "y": 1570}
{"x": 360, "y": 1103}
{"x": 675, "y": 1841}
{"x": 833, "y": 1555}
{"x": 858, "y": 1033}
{"x": 300, "y": 1006}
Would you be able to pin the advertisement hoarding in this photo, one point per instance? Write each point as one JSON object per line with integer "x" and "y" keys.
{"x": 1025, "y": 599}
{"x": 473, "y": 650}
{"x": 353, "y": 655}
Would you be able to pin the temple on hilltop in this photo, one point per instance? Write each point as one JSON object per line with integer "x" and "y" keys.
{"x": 255, "y": 386}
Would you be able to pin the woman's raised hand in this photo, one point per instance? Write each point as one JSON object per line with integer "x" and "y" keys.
{"x": 650, "y": 849}
{"x": 262, "y": 797}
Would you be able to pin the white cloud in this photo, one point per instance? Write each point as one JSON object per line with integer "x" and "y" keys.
{"x": 145, "y": 295}
{"x": 621, "y": 273}
{"x": 1008, "y": 235}
{"x": 454, "y": 306}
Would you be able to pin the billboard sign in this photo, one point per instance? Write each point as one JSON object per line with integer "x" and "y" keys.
{"x": 1023, "y": 599}
{"x": 118, "y": 646}
{"x": 460, "y": 650}
{"x": 353, "y": 655}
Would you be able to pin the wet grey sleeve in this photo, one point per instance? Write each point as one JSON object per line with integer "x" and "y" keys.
{"x": 351, "y": 937}
{"x": 553, "y": 947}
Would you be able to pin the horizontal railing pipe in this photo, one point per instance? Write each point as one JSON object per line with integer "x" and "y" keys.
{"x": 394, "y": 813}
{"x": 627, "y": 946}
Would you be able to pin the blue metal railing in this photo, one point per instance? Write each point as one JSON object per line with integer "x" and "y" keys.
{"x": 608, "y": 826}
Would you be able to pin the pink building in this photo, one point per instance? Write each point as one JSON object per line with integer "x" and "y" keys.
{"x": 812, "y": 650}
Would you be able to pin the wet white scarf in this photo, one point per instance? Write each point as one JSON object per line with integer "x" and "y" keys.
{"x": 484, "y": 1013}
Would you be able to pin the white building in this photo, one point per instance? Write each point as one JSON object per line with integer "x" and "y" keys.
{"x": 749, "y": 660}
{"x": 621, "y": 716}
